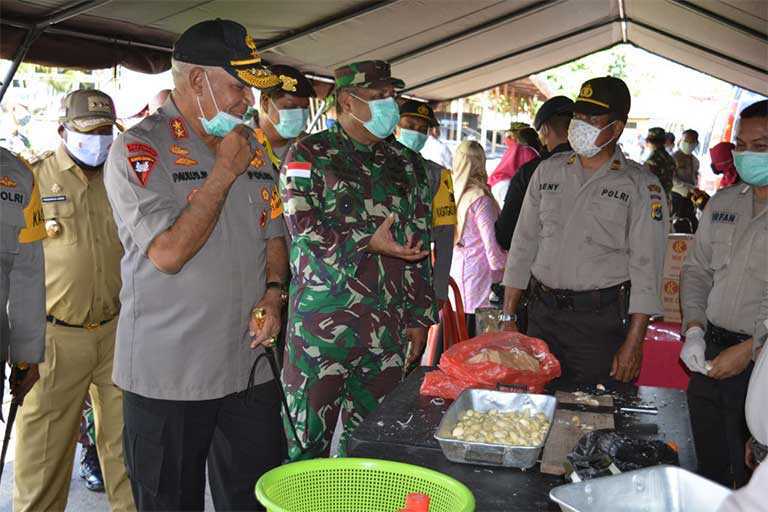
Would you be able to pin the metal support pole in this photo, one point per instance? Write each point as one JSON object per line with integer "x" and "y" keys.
{"x": 37, "y": 30}
{"x": 316, "y": 117}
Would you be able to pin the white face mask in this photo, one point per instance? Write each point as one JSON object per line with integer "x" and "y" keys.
{"x": 90, "y": 149}
{"x": 583, "y": 135}
{"x": 687, "y": 147}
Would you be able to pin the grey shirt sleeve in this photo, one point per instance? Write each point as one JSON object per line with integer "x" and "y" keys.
{"x": 761, "y": 325}
{"x": 697, "y": 275}
{"x": 648, "y": 244}
{"x": 26, "y": 304}
{"x": 145, "y": 211}
{"x": 525, "y": 241}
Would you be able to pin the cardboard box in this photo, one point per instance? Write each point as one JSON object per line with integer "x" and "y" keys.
{"x": 677, "y": 247}
{"x": 670, "y": 298}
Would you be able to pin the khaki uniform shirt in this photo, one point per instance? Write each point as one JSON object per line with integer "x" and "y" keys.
{"x": 22, "y": 270}
{"x": 592, "y": 235}
{"x": 185, "y": 336}
{"x": 82, "y": 262}
{"x": 725, "y": 273}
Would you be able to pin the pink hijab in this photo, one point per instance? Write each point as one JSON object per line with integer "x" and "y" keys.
{"x": 516, "y": 155}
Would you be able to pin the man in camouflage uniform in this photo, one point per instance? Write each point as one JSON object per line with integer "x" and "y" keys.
{"x": 659, "y": 162}
{"x": 358, "y": 210}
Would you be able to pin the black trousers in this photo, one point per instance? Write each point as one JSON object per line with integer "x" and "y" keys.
{"x": 718, "y": 421}
{"x": 167, "y": 444}
{"x": 583, "y": 341}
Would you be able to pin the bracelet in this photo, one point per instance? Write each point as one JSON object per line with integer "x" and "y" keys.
{"x": 506, "y": 317}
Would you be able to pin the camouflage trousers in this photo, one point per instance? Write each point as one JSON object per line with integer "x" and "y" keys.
{"x": 323, "y": 379}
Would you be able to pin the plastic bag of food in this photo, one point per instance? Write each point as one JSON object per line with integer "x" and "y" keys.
{"x": 490, "y": 360}
{"x": 596, "y": 450}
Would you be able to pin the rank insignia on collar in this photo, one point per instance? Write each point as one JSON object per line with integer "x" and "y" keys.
{"x": 263, "y": 218}
{"x": 178, "y": 129}
{"x": 142, "y": 165}
{"x": 615, "y": 165}
{"x": 258, "y": 159}
{"x": 572, "y": 159}
{"x": 178, "y": 150}
{"x": 265, "y": 194}
{"x": 186, "y": 162}
{"x": 55, "y": 188}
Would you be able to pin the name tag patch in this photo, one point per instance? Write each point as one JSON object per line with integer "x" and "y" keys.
{"x": 724, "y": 217}
{"x": 54, "y": 199}
{"x": 258, "y": 175}
{"x": 549, "y": 187}
{"x": 184, "y": 176}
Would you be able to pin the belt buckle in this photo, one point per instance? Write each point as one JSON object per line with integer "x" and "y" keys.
{"x": 563, "y": 301}
{"x": 91, "y": 326}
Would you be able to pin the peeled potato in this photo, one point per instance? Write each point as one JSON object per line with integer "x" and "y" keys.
{"x": 513, "y": 428}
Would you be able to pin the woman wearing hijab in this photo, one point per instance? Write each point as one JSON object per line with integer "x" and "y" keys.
{"x": 478, "y": 261}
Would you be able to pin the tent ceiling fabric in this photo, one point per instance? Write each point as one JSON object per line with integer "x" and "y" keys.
{"x": 443, "y": 49}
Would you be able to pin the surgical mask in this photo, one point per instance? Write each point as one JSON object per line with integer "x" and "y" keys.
{"x": 222, "y": 123}
{"x": 385, "y": 115}
{"x": 412, "y": 139}
{"x": 92, "y": 150}
{"x": 582, "y": 137}
{"x": 292, "y": 121}
{"x": 752, "y": 167}
{"x": 687, "y": 147}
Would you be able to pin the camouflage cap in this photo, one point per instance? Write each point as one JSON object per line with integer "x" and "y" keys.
{"x": 656, "y": 134}
{"x": 86, "y": 110}
{"x": 367, "y": 73}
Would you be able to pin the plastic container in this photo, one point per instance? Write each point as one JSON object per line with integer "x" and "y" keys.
{"x": 354, "y": 485}
{"x": 416, "y": 502}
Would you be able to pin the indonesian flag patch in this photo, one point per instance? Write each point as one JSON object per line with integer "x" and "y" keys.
{"x": 298, "y": 170}
{"x": 142, "y": 165}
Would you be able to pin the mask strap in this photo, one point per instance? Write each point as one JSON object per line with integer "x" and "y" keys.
{"x": 210, "y": 90}
{"x": 271, "y": 101}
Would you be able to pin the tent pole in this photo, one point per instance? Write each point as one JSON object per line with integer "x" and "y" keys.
{"x": 21, "y": 52}
{"x": 37, "y": 30}
{"x": 316, "y": 118}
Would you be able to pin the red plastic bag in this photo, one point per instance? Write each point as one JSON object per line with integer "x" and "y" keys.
{"x": 457, "y": 373}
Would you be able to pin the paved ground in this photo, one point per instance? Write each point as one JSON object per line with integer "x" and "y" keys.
{"x": 80, "y": 498}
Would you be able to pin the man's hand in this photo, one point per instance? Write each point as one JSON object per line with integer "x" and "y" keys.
{"x": 235, "y": 152}
{"x": 732, "y": 361}
{"x": 627, "y": 361}
{"x": 382, "y": 242}
{"x": 20, "y": 388}
{"x": 265, "y": 320}
{"x": 417, "y": 337}
{"x": 510, "y": 326}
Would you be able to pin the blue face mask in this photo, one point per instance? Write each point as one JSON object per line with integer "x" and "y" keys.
{"x": 752, "y": 167}
{"x": 385, "y": 115}
{"x": 292, "y": 121}
{"x": 222, "y": 123}
{"x": 412, "y": 139}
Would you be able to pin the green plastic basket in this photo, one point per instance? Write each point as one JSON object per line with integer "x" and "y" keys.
{"x": 358, "y": 485}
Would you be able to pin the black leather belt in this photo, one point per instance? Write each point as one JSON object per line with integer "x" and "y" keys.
{"x": 724, "y": 338}
{"x": 589, "y": 300}
{"x": 91, "y": 326}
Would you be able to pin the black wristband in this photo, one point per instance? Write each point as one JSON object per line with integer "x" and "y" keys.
{"x": 275, "y": 284}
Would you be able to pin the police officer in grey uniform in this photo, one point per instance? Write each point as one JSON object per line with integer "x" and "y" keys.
{"x": 203, "y": 277}
{"x": 724, "y": 281}
{"x": 591, "y": 239}
{"x": 22, "y": 274}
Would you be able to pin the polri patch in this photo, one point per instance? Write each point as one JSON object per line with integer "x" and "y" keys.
{"x": 142, "y": 165}
{"x": 615, "y": 194}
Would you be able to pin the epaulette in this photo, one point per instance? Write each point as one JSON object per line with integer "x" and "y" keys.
{"x": 34, "y": 158}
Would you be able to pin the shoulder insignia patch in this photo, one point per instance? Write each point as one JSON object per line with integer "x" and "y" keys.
{"x": 142, "y": 165}
{"x": 571, "y": 160}
{"x": 616, "y": 165}
{"x": 657, "y": 212}
{"x": 7, "y": 182}
{"x": 654, "y": 188}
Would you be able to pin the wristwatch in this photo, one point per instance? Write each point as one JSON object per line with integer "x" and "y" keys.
{"x": 506, "y": 317}
{"x": 281, "y": 288}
